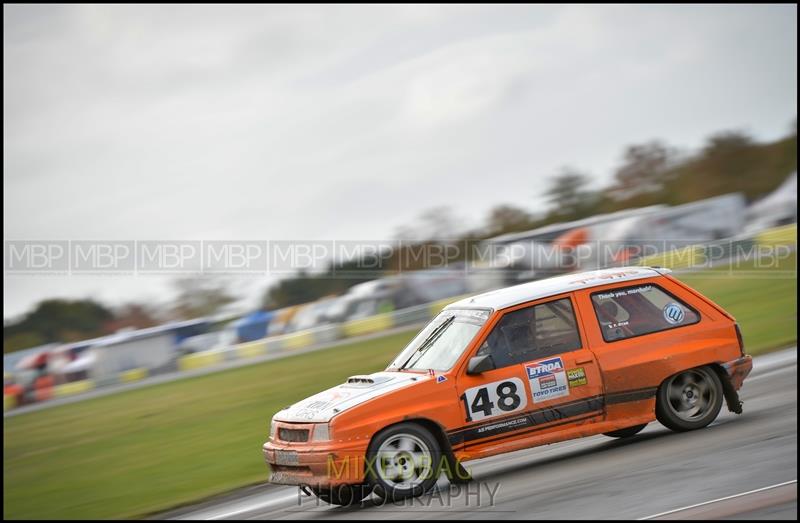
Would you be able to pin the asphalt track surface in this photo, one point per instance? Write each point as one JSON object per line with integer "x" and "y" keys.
{"x": 740, "y": 467}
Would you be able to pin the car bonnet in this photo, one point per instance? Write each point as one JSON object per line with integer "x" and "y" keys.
{"x": 320, "y": 408}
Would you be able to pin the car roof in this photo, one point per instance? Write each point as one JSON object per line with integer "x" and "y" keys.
{"x": 510, "y": 296}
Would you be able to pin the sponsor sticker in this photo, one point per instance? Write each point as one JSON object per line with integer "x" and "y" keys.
{"x": 441, "y": 379}
{"x": 576, "y": 377}
{"x": 548, "y": 379}
{"x": 673, "y": 313}
{"x": 548, "y": 382}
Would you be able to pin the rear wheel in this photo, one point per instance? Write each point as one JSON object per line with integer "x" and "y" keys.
{"x": 625, "y": 433}
{"x": 403, "y": 461}
{"x": 689, "y": 400}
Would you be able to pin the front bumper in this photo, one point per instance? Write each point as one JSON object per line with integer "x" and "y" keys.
{"x": 314, "y": 465}
{"x": 737, "y": 370}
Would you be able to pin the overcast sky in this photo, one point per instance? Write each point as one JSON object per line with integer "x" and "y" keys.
{"x": 346, "y": 122}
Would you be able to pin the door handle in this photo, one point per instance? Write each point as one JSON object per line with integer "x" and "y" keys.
{"x": 582, "y": 362}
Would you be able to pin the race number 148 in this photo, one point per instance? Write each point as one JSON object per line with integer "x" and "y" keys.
{"x": 494, "y": 399}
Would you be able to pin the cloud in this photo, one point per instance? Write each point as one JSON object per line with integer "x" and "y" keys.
{"x": 288, "y": 121}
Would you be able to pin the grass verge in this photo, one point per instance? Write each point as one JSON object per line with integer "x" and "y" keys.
{"x": 762, "y": 299}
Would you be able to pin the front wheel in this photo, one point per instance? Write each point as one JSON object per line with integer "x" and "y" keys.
{"x": 626, "y": 432}
{"x": 689, "y": 400}
{"x": 403, "y": 461}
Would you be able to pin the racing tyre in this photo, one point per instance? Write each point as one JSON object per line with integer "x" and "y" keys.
{"x": 403, "y": 461}
{"x": 689, "y": 400}
{"x": 625, "y": 433}
{"x": 344, "y": 495}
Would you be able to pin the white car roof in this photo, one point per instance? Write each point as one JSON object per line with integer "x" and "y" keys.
{"x": 510, "y": 296}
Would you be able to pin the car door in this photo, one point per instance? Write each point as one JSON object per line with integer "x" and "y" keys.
{"x": 543, "y": 373}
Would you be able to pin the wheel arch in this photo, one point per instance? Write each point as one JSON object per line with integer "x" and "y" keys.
{"x": 440, "y": 434}
{"x": 730, "y": 394}
{"x": 433, "y": 427}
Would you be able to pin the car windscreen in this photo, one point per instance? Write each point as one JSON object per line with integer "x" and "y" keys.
{"x": 442, "y": 341}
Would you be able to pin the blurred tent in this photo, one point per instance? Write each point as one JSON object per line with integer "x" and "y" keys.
{"x": 253, "y": 326}
{"x": 777, "y": 208}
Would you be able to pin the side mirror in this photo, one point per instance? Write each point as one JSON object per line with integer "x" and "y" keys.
{"x": 480, "y": 364}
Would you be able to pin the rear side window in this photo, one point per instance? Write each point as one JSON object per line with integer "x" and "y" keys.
{"x": 633, "y": 311}
{"x": 532, "y": 333}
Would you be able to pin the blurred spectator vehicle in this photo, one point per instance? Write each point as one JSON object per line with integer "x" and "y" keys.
{"x": 207, "y": 341}
{"x": 777, "y": 208}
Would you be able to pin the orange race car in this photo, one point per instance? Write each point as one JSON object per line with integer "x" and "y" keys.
{"x": 602, "y": 352}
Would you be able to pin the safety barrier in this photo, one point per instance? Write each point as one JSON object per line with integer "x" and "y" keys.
{"x": 297, "y": 340}
{"x": 251, "y": 349}
{"x": 785, "y": 235}
{"x": 379, "y": 322}
{"x": 75, "y": 387}
{"x": 132, "y": 375}
{"x": 326, "y": 333}
{"x": 200, "y": 360}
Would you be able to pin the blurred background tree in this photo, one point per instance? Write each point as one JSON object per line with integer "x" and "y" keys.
{"x": 503, "y": 219}
{"x": 567, "y": 191}
{"x": 436, "y": 223}
{"x": 57, "y": 320}
{"x": 134, "y": 316}
{"x": 644, "y": 170}
{"x": 570, "y": 198}
{"x": 200, "y": 296}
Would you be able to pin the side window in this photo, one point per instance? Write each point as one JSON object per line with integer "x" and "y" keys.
{"x": 533, "y": 333}
{"x": 643, "y": 309}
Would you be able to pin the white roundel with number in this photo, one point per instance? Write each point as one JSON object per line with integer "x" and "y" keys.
{"x": 494, "y": 399}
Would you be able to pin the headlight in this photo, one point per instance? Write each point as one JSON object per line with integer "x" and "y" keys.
{"x": 322, "y": 432}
